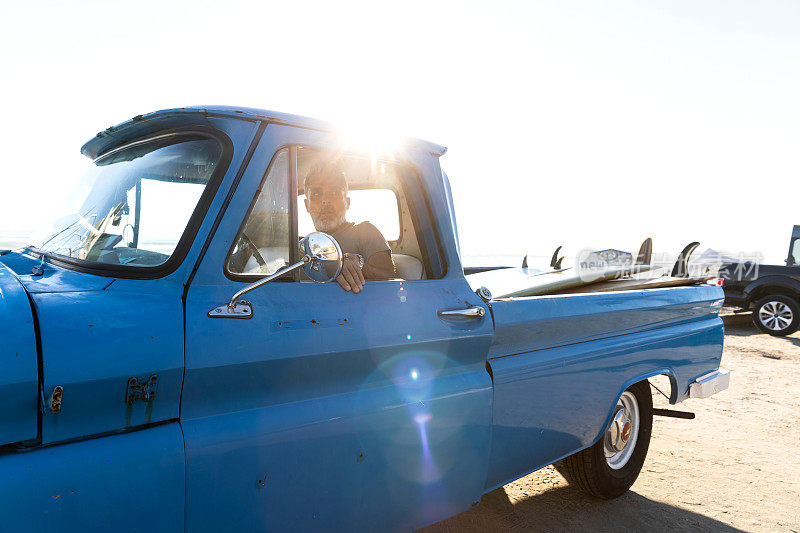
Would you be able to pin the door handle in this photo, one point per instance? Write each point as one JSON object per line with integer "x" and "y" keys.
{"x": 469, "y": 312}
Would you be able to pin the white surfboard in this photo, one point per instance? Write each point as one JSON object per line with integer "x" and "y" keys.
{"x": 640, "y": 284}
{"x": 520, "y": 282}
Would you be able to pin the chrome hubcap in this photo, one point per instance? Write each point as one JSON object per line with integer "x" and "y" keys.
{"x": 621, "y": 435}
{"x": 775, "y": 315}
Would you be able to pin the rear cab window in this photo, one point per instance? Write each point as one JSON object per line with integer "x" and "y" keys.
{"x": 376, "y": 206}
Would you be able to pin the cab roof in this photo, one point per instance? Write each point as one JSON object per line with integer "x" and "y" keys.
{"x": 141, "y": 125}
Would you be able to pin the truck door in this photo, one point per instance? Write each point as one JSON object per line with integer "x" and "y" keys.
{"x": 327, "y": 408}
{"x": 19, "y": 378}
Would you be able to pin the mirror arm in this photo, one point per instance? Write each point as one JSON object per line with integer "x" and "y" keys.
{"x": 257, "y": 284}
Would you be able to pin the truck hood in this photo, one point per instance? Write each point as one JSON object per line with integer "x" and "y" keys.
{"x": 19, "y": 374}
{"x": 53, "y": 278}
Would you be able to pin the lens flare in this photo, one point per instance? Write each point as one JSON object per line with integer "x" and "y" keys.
{"x": 402, "y": 294}
{"x": 422, "y": 418}
{"x": 370, "y": 136}
{"x": 406, "y": 411}
{"x": 429, "y": 471}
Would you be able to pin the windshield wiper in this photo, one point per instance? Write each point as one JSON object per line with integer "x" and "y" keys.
{"x": 57, "y": 234}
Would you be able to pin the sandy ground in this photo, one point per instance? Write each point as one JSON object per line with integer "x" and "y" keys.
{"x": 736, "y": 467}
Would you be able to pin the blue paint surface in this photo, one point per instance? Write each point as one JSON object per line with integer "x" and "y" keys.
{"x": 121, "y": 483}
{"x": 18, "y": 365}
{"x": 380, "y": 426}
{"x": 53, "y": 278}
{"x": 526, "y": 324}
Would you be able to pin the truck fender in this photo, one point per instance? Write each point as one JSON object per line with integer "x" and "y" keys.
{"x": 673, "y": 397}
{"x": 782, "y": 284}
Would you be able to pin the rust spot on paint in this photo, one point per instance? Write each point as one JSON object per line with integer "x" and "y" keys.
{"x": 55, "y": 399}
{"x": 261, "y": 483}
{"x": 57, "y": 496}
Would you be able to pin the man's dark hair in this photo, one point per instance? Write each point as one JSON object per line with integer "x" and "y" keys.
{"x": 331, "y": 171}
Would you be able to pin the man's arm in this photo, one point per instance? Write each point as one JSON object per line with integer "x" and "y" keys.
{"x": 380, "y": 266}
{"x": 378, "y": 263}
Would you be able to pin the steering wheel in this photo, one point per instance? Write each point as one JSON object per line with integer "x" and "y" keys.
{"x": 253, "y": 249}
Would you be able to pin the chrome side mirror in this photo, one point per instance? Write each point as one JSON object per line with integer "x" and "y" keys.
{"x": 325, "y": 255}
{"x": 321, "y": 259}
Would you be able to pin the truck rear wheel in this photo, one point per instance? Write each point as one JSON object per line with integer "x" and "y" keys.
{"x": 608, "y": 468}
{"x": 777, "y": 315}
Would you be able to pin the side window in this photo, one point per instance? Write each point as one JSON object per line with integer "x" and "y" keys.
{"x": 796, "y": 251}
{"x": 368, "y": 206}
{"x": 262, "y": 246}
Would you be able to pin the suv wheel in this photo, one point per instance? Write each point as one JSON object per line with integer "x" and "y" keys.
{"x": 777, "y": 315}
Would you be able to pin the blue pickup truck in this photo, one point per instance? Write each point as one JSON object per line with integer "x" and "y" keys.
{"x": 171, "y": 363}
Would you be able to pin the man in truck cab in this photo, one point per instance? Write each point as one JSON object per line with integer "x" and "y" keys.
{"x": 367, "y": 255}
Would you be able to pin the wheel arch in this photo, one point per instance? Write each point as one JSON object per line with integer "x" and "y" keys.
{"x": 590, "y": 469}
{"x": 771, "y": 285}
{"x": 673, "y": 397}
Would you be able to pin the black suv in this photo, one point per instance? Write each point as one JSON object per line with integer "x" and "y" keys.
{"x": 771, "y": 291}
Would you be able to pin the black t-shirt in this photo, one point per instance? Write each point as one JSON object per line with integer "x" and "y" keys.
{"x": 363, "y": 239}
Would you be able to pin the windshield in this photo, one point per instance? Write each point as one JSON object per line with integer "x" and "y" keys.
{"x": 134, "y": 204}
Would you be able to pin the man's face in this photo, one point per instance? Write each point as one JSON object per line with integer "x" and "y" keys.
{"x": 327, "y": 204}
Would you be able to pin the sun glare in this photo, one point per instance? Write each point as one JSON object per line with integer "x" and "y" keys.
{"x": 369, "y": 136}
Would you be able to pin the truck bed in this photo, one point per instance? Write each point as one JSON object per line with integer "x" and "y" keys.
{"x": 568, "y": 358}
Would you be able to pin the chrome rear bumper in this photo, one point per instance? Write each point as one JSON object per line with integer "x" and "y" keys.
{"x": 710, "y": 384}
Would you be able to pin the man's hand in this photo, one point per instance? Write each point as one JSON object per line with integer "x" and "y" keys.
{"x": 351, "y": 278}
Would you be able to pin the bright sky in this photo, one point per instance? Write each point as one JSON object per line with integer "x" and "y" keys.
{"x": 577, "y": 123}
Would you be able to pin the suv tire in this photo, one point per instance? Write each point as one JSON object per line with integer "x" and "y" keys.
{"x": 777, "y": 315}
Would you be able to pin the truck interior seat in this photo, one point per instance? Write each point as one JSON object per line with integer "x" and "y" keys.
{"x": 408, "y": 267}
